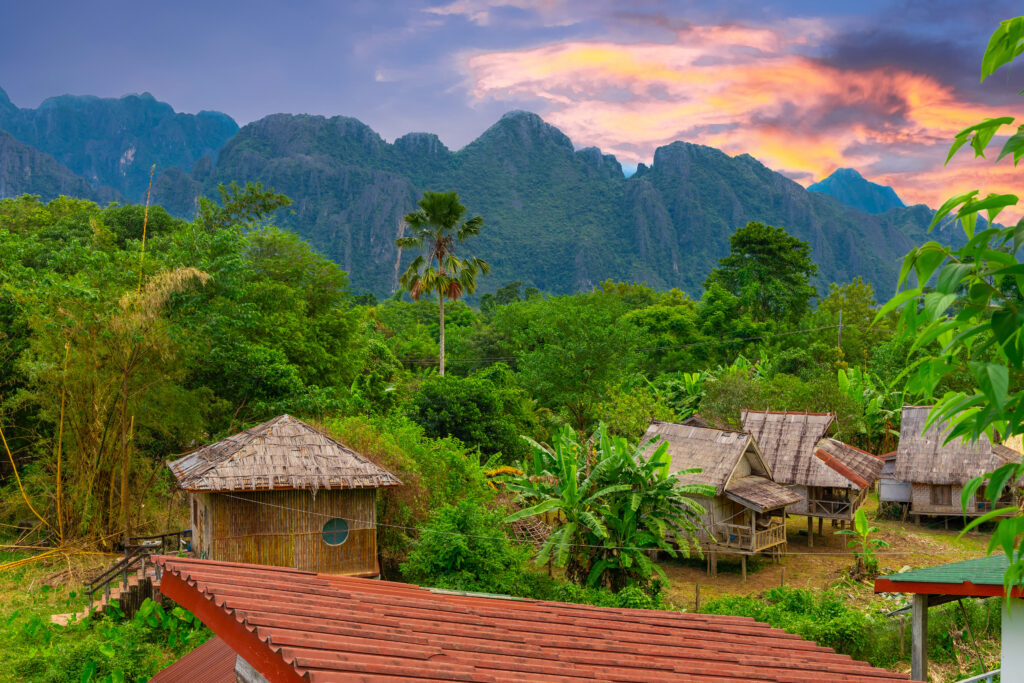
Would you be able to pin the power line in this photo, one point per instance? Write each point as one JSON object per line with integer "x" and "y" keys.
{"x": 369, "y": 523}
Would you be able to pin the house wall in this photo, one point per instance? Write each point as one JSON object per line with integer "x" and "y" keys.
{"x": 201, "y": 529}
{"x": 285, "y": 529}
{"x": 921, "y": 501}
{"x": 799, "y": 508}
{"x": 890, "y": 490}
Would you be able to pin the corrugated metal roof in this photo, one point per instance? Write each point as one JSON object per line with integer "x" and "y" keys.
{"x": 211, "y": 662}
{"x": 298, "y": 626}
{"x": 282, "y": 453}
{"x": 981, "y": 571}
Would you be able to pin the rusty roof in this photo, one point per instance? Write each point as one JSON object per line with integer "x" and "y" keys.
{"x": 297, "y": 626}
{"x": 280, "y": 454}
{"x": 211, "y": 662}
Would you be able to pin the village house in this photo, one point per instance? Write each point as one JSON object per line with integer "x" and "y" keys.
{"x": 288, "y": 626}
{"x": 283, "y": 493}
{"x": 747, "y": 514}
{"x": 937, "y": 471}
{"x": 831, "y": 478}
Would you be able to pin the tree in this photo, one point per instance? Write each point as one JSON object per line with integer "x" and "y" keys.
{"x": 472, "y": 410}
{"x": 570, "y": 350}
{"x": 611, "y": 508}
{"x": 769, "y": 270}
{"x": 852, "y": 306}
{"x": 972, "y": 321}
{"x": 437, "y": 227}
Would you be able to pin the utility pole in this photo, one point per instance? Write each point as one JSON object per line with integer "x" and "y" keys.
{"x": 839, "y": 340}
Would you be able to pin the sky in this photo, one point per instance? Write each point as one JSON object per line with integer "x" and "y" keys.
{"x": 805, "y": 87}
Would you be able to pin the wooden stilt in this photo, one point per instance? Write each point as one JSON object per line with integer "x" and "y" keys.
{"x": 743, "y": 564}
{"x": 810, "y": 532}
{"x": 919, "y": 638}
{"x": 820, "y": 522}
{"x": 696, "y": 600}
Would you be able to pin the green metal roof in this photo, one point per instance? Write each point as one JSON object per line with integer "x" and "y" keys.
{"x": 982, "y": 571}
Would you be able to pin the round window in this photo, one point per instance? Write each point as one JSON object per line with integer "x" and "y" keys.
{"x": 335, "y": 532}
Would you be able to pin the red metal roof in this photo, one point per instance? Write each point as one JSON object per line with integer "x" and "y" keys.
{"x": 211, "y": 662}
{"x": 297, "y": 626}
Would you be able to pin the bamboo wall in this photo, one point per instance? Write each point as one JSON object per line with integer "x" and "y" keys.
{"x": 921, "y": 501}
{"x": 247, "y": 527}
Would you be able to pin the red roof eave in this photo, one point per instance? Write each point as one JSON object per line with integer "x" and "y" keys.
{"x": 247, "y": 644}
{"x": 966, "y": 588}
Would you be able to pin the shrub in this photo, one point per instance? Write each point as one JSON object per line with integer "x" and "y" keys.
{"x": 464, "y": 547}
{"x": 472, "y": 410}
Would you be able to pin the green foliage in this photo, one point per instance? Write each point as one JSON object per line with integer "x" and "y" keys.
{"x": 816, "y": 615}
{"x": 864, "y": 545}
{"x": 769, "y": 271}
{"x": 972, "y": 321}
{"x": 475, "y": 411}
{"x": 569, "y": 350}
{"x": 437, "y": 227}
{"x": 464, "y": 547}
{"x": 106, "y": 650}
{"x": 610, "y": 506}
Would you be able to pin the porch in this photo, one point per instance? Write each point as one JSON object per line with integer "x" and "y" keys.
{"x": 749, "y": 538}
{"x": 832, "y": 503}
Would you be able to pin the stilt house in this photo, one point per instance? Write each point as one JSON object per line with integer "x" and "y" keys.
{"x": 937, "y": 472}
{"x": 747, "y": 515}
{"x": 284, "y": 494}
{"x": 832, "y": 478}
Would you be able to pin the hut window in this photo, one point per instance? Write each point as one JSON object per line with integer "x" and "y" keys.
{"x": 942, "y": 495}
{"x": 335, "y": 532}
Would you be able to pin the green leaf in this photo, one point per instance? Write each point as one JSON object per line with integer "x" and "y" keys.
{"x": 896, "y": 302}
{"x": 993, "y": 380}
{"x": 106, "y": 649}
{"x": 1004, "y": 46}
{"x": 88, "y": 672}
{"x": 951, "y": 275}
{"x": 1014, "y": 145}
{"x": 999, "y": 479}
{"x": 929, "y": 257}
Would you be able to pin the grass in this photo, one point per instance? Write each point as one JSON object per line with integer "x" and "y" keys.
{"x": 826, "y": 567}
{"x": 36, "y": 649}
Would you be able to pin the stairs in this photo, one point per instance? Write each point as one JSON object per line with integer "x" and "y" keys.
{"x": 129, "y": 595}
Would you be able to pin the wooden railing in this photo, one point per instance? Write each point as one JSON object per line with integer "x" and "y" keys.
{"x": 836, "y": 508}
{"x": 744, "y": 538}
{"x": 136, "y": 556}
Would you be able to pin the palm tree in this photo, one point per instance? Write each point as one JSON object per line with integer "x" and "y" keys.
{"x": 436, "y": 228}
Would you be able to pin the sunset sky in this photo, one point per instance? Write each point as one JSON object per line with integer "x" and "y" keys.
{"x": 878, "y": 86}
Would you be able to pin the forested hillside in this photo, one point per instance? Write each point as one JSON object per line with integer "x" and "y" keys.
{"x": 558, "y": 218}
{"x": 114, "y": 142}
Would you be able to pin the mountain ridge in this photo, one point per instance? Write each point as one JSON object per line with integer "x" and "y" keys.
{"x": 851, "y": 188}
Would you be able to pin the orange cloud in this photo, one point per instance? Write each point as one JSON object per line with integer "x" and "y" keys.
{"x": 749, "y": 91}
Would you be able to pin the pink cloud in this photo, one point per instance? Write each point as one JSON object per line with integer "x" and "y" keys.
{"x": 747, "y": 90}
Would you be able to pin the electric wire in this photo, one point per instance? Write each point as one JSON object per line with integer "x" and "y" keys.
{"x": 371, "y": 523}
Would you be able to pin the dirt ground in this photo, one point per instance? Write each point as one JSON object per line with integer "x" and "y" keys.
{"x": 828, "y": 563}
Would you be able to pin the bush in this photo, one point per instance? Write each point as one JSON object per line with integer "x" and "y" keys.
{"x": 819, "y": 616}
{"x": 471, "y": 409}
{"x": 464, "y": 547}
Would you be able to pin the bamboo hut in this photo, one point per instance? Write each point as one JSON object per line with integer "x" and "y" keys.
{"x": 747, "y": 514}
{"x": 937, "y": 472}
{"x": 284, "y": 494}
{"x": 832, "y": 478}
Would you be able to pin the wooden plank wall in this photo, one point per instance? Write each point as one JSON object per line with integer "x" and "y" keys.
{"x": 284, "y": 529}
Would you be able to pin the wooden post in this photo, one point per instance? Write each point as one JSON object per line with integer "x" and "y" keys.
{"x": 919, "y": 639}
{"x": 782, "y": 581}
{"x": 696, "y": 600}
{"x": 714, "y": 563}
{"x": 743, "y": 564}
{"x": 820, "y": 521}
{"x": 810, "y": 532}
{"x": 903, "y": 628}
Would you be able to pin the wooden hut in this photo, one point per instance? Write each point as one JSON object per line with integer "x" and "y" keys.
{"x": 937, "y": 472}
{"x": 890, "y": 490}
{"x": 747, "y": 513}
{"x": 831, "y": 477}
{"x": 284, "y": 494}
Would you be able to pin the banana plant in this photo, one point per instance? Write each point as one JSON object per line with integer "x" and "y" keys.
{"x": 863, "y": 545}
{"x": 612, "y": 506}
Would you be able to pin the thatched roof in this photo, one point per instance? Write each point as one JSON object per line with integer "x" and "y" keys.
{"x": 789, "y": 441}
{"x": 280, "y": 454}
{"x": 922, "y": 458}
{"x": 714, "y": 451}
{"x": 761, "y": 493}
{"x": 696, "y": 420}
